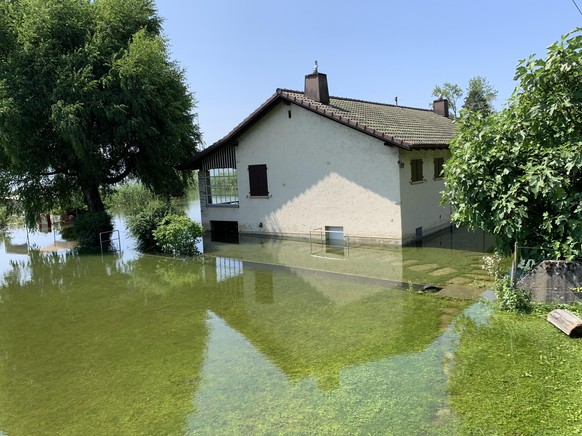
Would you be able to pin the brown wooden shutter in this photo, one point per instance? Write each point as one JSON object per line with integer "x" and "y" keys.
{"x": 258, "y": 180}
{"x": 416, "y": 170}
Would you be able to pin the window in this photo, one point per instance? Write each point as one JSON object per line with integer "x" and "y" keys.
{"x": 438, "y": 167}
{"x": 258, "y": 181}
{"x": 416, "y": 168}
{"x": 222, "y": 186}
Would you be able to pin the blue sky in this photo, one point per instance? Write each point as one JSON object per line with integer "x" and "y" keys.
{"x": 237, "y": 53}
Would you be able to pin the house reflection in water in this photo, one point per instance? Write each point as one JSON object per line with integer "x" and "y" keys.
{"x": 286, "y": 338}
{"x": 310, "y": 323}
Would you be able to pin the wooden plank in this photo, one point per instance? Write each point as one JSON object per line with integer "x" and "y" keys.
{"x": 566, "y": 321}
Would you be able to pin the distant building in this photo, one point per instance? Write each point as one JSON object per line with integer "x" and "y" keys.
{"x": 305, "y": 162}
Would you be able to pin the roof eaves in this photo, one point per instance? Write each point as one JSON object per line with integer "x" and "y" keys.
{"x": 194, "y": 162}
{"x": 322, "y": 110}
{"x": 252, "y": 118}
{"x": 231, "y": 137}
{"x": 297, "y": 98}
{"x": 432, "y": 146}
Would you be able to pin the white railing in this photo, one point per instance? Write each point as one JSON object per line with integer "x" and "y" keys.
{"x": 110, "y": 239}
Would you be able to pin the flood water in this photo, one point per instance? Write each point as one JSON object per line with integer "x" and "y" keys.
{"x": 262, "y": 337}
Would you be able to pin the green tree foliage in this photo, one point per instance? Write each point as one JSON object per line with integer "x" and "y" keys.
{"x": 450, "y": 91}
{"x": 518, "y": 173}
{"x": 88, "y": 97}
{"x": 480, "y": 96}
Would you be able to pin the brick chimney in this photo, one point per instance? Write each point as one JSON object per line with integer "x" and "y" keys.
{"x": 316, "y": 87}
{"x": 441, "y": 107}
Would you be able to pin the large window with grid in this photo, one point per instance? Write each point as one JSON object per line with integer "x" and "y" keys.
{"x": 222, "y": 186}
{"x": 416, "y": 171}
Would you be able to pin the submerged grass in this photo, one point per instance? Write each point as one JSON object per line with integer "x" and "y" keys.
{"x": 517, "y": 374}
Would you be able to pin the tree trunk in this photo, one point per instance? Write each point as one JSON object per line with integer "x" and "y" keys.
{"x": 95, "y": 229}
{"x": 93, "y": 197}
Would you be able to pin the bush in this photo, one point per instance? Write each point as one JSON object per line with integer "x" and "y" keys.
{"x": 511, "y": 298}
{"x": 87, "y": 227}
{"x": 144, "y": 221}
{"x": 177, "y": 235}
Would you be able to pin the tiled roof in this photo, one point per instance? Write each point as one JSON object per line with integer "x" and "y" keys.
{"x": 404, "y": 127}
{"x": 408, "y": 127}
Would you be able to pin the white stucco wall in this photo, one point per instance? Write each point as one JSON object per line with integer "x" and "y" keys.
{"x": 319, "y": 174}
{"x": 421, "y": 201}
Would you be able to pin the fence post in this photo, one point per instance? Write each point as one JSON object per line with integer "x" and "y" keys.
{"x": 514, "y": 266}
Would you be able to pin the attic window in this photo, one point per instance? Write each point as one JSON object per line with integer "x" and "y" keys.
{"x": 416, "y": 171}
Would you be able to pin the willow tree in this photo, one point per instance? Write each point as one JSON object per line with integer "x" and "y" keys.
{"x": 517, "y": 173}
{"x": 89, "y": 97}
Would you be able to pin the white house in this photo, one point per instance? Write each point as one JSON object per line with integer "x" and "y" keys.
{"x": 304, "y": 162}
